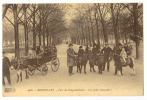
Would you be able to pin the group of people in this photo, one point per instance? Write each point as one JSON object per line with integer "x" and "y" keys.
{"x": 92, "y": 52}
{"x": 33, "y": 53}
{"x": 40, "y": 51}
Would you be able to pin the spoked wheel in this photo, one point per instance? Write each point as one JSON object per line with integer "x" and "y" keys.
{"x": 31, "y": 70}
{"x": 55, "y": 63}
{"x": 44, "y": 69}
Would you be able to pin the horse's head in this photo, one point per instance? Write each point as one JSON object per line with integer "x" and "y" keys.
{"x": 14, "y": 62}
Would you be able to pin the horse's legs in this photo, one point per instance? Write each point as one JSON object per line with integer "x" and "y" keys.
{"x": 98, "y": 69}
{"x": 17, "y": 77}
{"x": 115, "y": 70}
{"x": 108, "y": 65}
{"x": 93, "y": 68}
{"x": 104, "y": 66}
{"x": 81, "y": 68}
{"x": 85, "y": 68}
{"x": 132, "y": 66}
{"x": 26, "y": 71}
{"x": 21, "y": 76}
{"x": 90, "y": 66}
{"x": 77, "y": 67}
{"x": 121, "y": 70}
{"x": 101, "y": 69}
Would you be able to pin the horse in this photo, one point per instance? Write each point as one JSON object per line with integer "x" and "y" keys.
{"x": 19, "y": 66}
{"x": 82, "y": 61}
{"x": 99, "y": 61}
{"x": 119, "y": 63}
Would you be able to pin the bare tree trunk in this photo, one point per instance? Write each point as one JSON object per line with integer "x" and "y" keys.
{"x": 114, "y": 25}
{"x": 103, "y": 25}
{"x": 89, "y": 36}
{"x": 136, "y": 32}
{"x": 34, "y": 34}
{"x": 16, "y": 31}
{"x": 97, "y": 29}
{"x": 25, "y": 30}
{"x": 91, "y": 27}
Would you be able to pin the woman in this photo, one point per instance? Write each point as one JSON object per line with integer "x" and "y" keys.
{"x": 71, "y": 58}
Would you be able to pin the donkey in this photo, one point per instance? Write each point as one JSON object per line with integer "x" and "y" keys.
{"x": 19, "y": 66}
{"x": 82, "y": 61}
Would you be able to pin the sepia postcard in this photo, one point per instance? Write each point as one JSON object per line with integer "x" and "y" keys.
{"x": 72, "y": 49}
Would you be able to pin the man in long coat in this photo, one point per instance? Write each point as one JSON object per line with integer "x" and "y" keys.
{"x": 107, "y": 50}
{"x": 71, "y": 58}
{"x": 6, "y": 70}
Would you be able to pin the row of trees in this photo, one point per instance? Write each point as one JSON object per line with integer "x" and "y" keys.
{"x": 108, "y": 21}
{"x": 44, "y": 21}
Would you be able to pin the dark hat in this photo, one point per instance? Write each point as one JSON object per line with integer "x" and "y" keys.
{"x": 70, "y": 45}
{"x": 119, "y": 44}
{"x": 81, "y": 47}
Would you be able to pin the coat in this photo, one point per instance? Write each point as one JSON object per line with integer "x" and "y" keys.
{"x": 107, "y": 52}
{"x": 117, "y": 57}
{"x": 6, "y": 65}
{"x": 71, "y": 60}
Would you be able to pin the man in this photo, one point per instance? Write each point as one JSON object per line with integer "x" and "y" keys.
{"x": 117, "y": 51}
{"x": 106, "y": 50}
{"x": 32, "y": 53}
{"x": 6, "y": 70}
{"x": 71, "y": 58}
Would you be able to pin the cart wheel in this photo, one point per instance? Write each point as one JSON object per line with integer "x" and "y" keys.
{"x": 31, "y": 70}
{"x": 44, "y": 69}
{"x": 55, "y": 63}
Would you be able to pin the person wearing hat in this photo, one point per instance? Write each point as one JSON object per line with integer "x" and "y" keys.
{"x": 81, "y": 51}
{"x": 116, "y": 58}
{"x": 106, "y": 50}
{"x": 71, "y": 58}
{"x": 6, "y": 69}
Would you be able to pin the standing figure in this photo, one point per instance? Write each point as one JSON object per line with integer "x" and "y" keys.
{"x": 118, "y": 65}
{"x": 106, "y": 50}
{"x": 90, "y": 58}
{"x": 6, "y": 70}
{"x": 71, "y": 58}
{"x": 94, "y": 52}
{"x": 81, "y": 59}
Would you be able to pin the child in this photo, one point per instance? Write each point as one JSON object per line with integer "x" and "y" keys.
{"x": 123, "y": 54}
